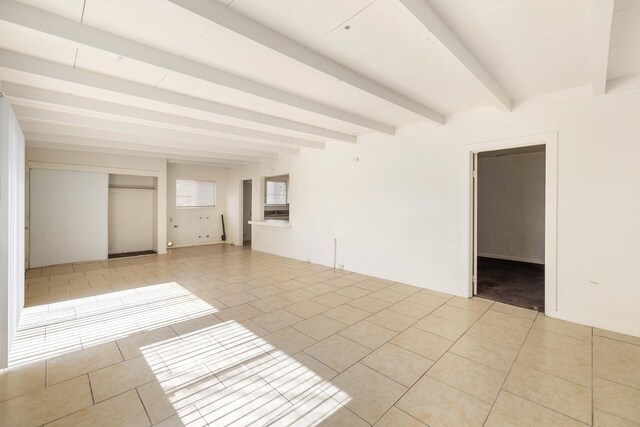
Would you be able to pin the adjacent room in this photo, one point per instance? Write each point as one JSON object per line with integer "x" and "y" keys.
{"x": 319, "y": 213}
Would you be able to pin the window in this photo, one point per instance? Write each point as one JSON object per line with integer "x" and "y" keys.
{"x": 276, "y": 198}
{"x": 195, "y": 194}
{"x": 276, "y": 193}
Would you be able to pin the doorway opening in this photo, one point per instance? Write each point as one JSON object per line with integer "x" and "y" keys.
{"x": 513, "y": 253}
{"x": 247, "y": 199}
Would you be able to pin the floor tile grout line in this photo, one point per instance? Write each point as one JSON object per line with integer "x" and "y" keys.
{"x": 143, "y": 405}
{"x": 509, "y": 373}
{"x": 436, "y": 361}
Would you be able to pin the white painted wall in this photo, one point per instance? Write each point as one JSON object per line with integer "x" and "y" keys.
{"x": 511, "y": 207}
{"x": 12, "y": 216}
{"x": 68, "y": 218}
{"x": 195, "y": 224}
{"x": 131, "y": 222}
{"x": 111, "y": 164}
{"x": 402, "y": 211}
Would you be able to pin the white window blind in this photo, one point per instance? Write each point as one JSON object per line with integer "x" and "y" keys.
{"x": 276, "y": 193}
{"x": 195, "y": 194}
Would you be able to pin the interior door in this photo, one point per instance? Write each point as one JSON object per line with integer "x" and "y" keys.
{"x": 474, "y": 257}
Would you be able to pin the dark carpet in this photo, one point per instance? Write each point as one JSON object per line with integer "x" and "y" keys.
{"x": 130, "y": 254}
{"x": 511, "y": 282}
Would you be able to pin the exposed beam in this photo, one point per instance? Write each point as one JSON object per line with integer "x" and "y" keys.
{"x": 450, "y": 44}
{"x": 19, "y": 92}
{"x": 213, "y": 142}
{"x": 601, "y": 20}
{"x": 57, "y": 142}
{"x": 67, "y": 29}
{"x": 41, "y": 67}
{"x": 106, "y": 148}
{"x": 240, "y": 24}
{"x": 41, "y": 128}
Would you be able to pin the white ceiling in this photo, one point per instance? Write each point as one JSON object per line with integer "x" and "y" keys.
{"x": 396, "y": 68}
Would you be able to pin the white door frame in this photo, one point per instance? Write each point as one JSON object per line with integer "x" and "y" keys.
{"x": 550, "y": 140}
{"x": 240, "y": 230}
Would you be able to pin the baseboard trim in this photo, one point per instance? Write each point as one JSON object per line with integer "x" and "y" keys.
{"x": 512, "y": 258}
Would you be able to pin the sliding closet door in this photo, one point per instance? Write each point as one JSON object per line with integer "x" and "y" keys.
{"x": 69, "y": 216}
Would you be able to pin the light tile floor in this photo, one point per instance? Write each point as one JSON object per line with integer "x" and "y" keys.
{"x": 219, "y": 335}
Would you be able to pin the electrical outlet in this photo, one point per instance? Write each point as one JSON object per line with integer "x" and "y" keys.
{"x": 308, "y": 260}
{"x": 341, "y": 266}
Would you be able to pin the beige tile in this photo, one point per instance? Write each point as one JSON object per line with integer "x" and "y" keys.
{"x": 484, "y": 352}
{"x": 429, "y": 299}
{"x": 501, "y": 335}
{"x": 82, "y": 362}
{"x": 562, "y": 327}
{"x": 332, "y": 299}
{"x": 318, "y": 409}
{"x": 479, "y": 305}
{"x": 249, "y": 402}
{"x": 319, "y": 327}
{"x": 481, "y": 382}
{"x": 498, "y": 318}
{"x": 200, "y": 324}
{"x": 411, "y": 309}
{"x": 320, "y": 289}
{"x": 423, "y": 343}
{"x": 371, "y": 285}
{"x": 629, "y": 339}
{"x": 398, "y": 364}
{"x": 370, "y": 304}
{"x": 563, "y": 396}
{"x": 388, "y": 295}
{"x": 395, "y": 418}
{"x": 617, "y": 361}
{"x": 235, "y": 299}
{"x": 306, "y": 309}
{"x": 276, "y": 320}
{"x": 347, "y": 314}
{"x": 513, "y": 310}
{"x": 457, "y": 314}
{"x": 297, "y": 376}
{"x": 368, "y": 334}
{"x": 605, "y": 419}
{"x": 19, "y": 380}
{"x": 238, "y": 313}
{"x": 391, "y": 320}
{"x": 437, "y": 404}
{"x": 511, "y": 410}
{"x": 559, "y": 355}
{"x": 616, "y": 399}
{"x": 188, "y": 417}
{"x": 298, "y": 295}
{"x": 353, "y": 292}
{"x": 130, "y": 346}
{"x": 115, "y": 379}
{"x": 366, "y": 392}
{"x": 124, "y": 410}
{"x": 270, "y": 304}
{"x": 337, "y": 352}
{"x": 442, "y": 327}
{"x": 178, "y": 394}
{"x": 47, "y": 404}
{"x": 287, "y": 341}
